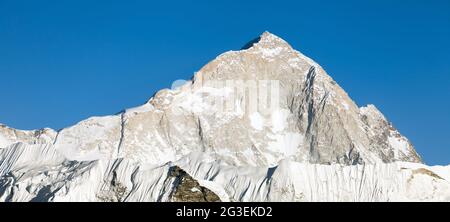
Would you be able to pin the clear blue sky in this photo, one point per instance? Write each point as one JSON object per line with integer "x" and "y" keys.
{"x": 64, "y": 61}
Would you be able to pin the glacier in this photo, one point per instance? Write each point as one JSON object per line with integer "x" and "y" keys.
{"x": 214, "y": 139}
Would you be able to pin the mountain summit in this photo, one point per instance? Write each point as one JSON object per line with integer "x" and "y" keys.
{"x": 265, "y": 123}
{"x": 267, "y": 40}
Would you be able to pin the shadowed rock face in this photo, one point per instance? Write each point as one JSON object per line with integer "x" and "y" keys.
{"x": 187, "y": 189}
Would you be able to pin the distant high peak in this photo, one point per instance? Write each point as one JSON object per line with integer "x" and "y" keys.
{"x": 267, "y": 40}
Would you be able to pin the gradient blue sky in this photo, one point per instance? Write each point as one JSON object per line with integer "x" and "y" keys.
{"x": 64, "y": 61}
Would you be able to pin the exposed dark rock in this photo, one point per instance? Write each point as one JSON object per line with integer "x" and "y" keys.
{"x": 187, "y": 189}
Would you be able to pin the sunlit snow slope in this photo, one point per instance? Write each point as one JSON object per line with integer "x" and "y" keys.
{"x": 311, "y": 143}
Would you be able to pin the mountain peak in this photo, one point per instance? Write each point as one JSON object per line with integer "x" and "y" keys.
{"x": 269, "y": 37}
{"x": 264, "y": 113}
{"x": 266, "y": 40}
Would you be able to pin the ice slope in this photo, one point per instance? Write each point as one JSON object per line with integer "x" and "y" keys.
{"x": 317, "y": 145}
{"x": 41, "y": 173}
{"x": 294, "y": 181}
{"x": 54, "y": 178}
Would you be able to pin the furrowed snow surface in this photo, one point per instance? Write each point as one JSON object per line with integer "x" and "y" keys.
{"x": 317, "y": 145}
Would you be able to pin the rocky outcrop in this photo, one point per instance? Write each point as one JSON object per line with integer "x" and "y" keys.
{"x": 187, "y": 189}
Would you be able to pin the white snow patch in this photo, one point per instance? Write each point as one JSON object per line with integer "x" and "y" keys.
{"x": 288, "y": 143}
{"x": 399, "y": 145}
{"x": 141, "y": 109}
{"x": 371, "y": 110}
{"x": 279, "y": 120}
{"x": 257, "y": 121}
{"x": 345, "y": 105}
{"x": 267, "y": 52}
{"x": 294, "y": 62}
{"x": 195, "y": 189}
{"x": 442, "y": 171}
{"x": 92, "y": 139}
{"x": 3, "y": 142}
{"x": 215, "y": 188}
{"x": 205, "y": 100}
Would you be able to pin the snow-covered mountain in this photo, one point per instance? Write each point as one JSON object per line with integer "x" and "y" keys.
{"x": 265, "y": 123}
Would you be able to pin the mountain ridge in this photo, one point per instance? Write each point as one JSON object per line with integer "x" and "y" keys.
{"x": 256, "y": 124}
{"x": 267, "y": 47}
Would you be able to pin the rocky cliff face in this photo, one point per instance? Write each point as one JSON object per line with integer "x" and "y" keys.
{"x": 250, "y": 118}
